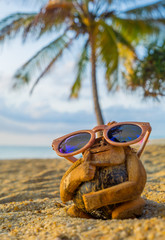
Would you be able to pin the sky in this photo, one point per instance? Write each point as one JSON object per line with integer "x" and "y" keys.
{"x": 49, "y": 113}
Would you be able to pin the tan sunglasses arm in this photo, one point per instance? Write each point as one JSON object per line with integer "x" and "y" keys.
{"x": 144, "y": 143}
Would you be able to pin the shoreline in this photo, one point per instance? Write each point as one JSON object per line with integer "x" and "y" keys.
{"x": 31, "y": 208}
{"x": 21, "y": 151}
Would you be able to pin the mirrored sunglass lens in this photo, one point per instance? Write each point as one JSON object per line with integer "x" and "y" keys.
{"x": 124, "y": 133}
{"x": 74, "y": 143}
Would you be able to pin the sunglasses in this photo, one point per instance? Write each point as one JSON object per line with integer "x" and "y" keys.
{"x": 116, "y": 134}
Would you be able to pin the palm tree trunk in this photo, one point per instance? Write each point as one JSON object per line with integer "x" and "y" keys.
{"x": 97, "y": 108}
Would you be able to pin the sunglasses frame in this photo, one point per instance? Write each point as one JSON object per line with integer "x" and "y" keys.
{"x": 145, "y": 127}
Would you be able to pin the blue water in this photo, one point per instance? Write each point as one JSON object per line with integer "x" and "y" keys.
{"x": 18, "y": 152}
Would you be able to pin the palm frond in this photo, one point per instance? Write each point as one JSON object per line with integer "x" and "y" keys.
{"x": 11, "y": 25}
{"x": 151, "y": 11}
{"x": 108, "y": 52}
{"x": 51, "y": 17}
{"x": 54, "y": 4}
{"x": 134, "y": 30}
{"x": 41, "y": 61}
{"x": 81, "y": 67}
{"x": 121, "y": 39}
{"x": 149, "y": 73}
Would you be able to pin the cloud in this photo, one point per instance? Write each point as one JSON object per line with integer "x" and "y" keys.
{"x": 48, "y": 113}
{"x": 26, "y": 128}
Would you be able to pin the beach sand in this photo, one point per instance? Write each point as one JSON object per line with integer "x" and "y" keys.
{"x": 30, "y": 205}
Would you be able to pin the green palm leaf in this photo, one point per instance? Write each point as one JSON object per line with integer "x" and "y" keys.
{"x": 107, "y": 44}
{"x": 149, "y": 73}
{"x": 121, "y": 39}
{"x": 11, "y": 25}
{"x": 134, "y": 30}
{"x": 81, "y": 67}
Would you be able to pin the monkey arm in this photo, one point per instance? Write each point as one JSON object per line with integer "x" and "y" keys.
{"x": 122, "y": 192}
{"x": 69, "y": 182}
{"x": 79, "y": 172}
{"x": 68, "y": 186}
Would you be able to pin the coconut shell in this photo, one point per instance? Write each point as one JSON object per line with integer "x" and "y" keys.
{"x": 105, "y": 177}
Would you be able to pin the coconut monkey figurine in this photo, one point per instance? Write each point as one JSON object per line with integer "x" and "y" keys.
{"x": 108, "y": 180}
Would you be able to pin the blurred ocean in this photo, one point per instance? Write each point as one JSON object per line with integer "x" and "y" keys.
{"x": 18, "y": 152}
{"x": 25, "y": 152}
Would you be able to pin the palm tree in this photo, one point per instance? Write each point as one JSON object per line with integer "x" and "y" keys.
{"x": 105, "y": 28}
